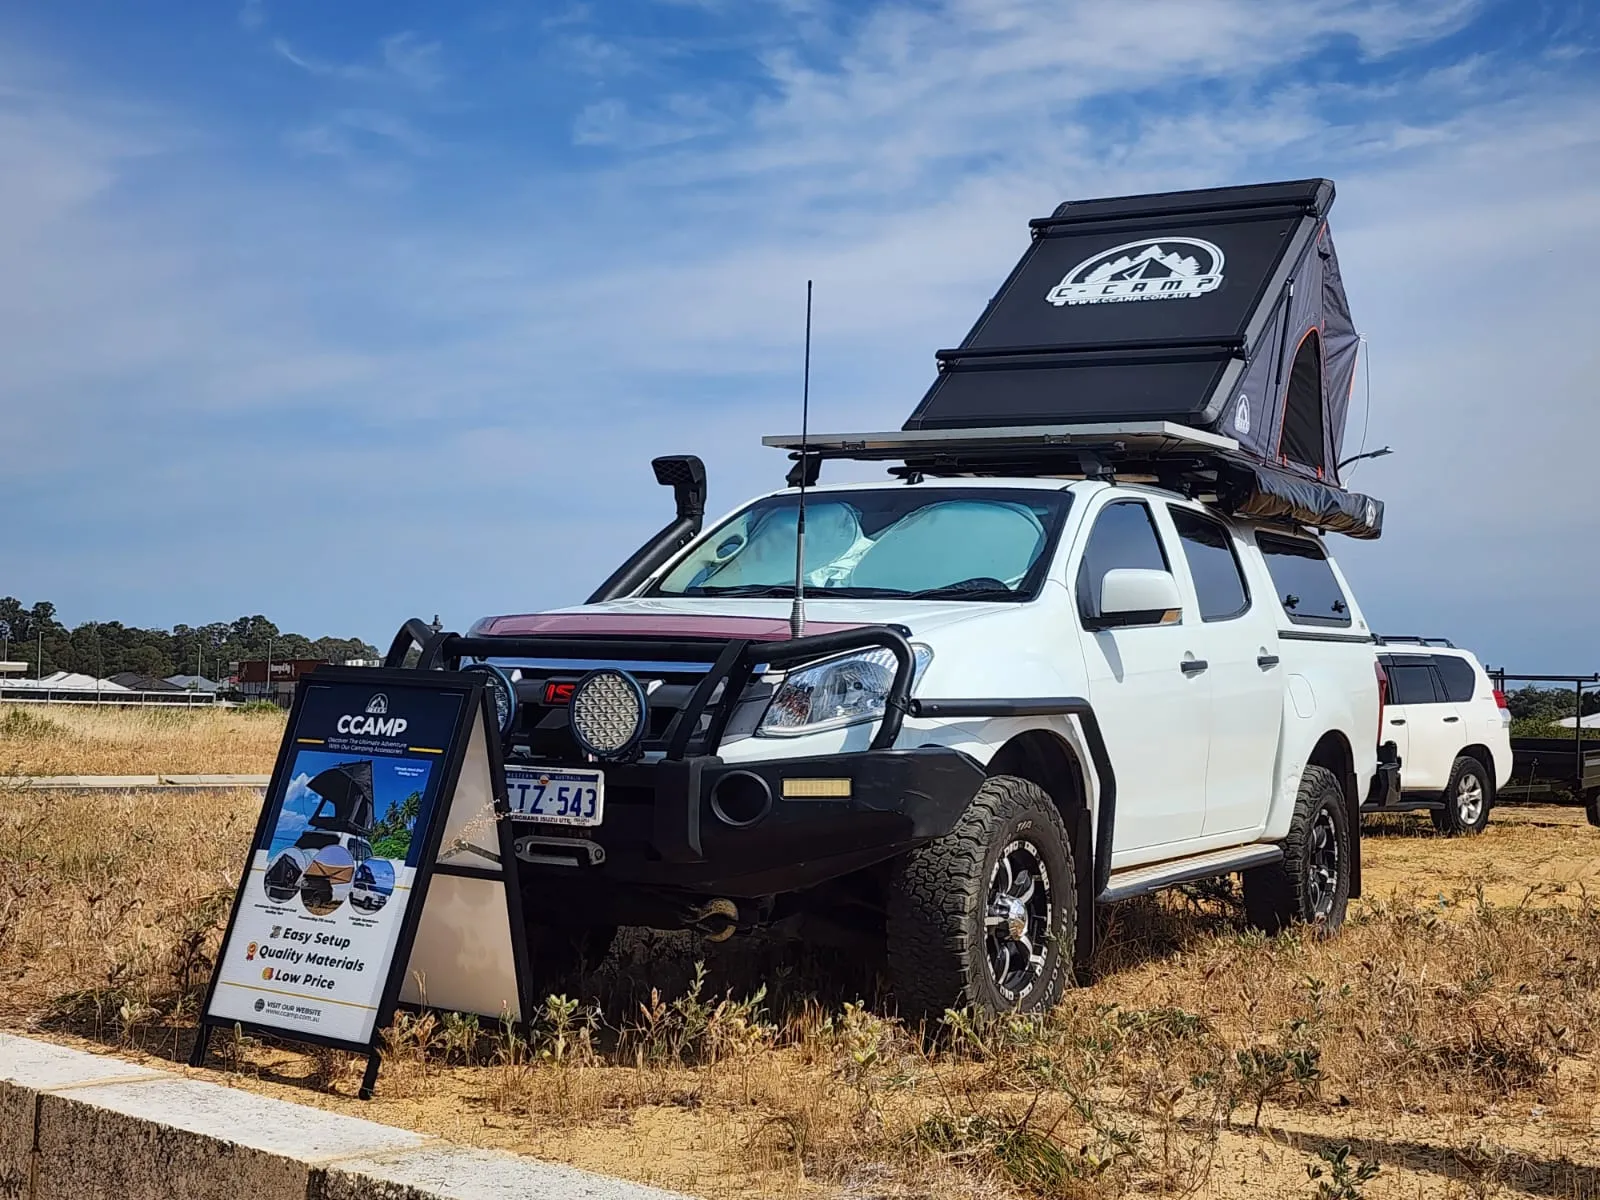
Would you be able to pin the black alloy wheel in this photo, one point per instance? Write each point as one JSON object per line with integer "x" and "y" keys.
{"x": 1311, "y": 885}
{"x": 987, "y": 915}
{"x": 1020, "y": 918}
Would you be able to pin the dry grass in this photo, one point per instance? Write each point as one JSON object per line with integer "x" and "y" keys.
{"x": 1446, "y": 1034}
{"x": 60, "y": 739}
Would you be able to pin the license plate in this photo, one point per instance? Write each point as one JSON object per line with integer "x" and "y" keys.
{"x": 556, "y": 797}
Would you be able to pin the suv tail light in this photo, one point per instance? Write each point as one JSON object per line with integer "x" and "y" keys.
{"x": 1383, "y": 695}
{"x": 1500, "y": 699}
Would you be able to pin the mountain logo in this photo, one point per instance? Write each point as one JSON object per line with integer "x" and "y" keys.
{"x": 378, "y": 704}
{"x": 1173, "y": 268}
{"x": 1241, "y": 415}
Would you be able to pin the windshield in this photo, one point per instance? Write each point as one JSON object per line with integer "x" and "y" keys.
{"x": 927, "y": 543}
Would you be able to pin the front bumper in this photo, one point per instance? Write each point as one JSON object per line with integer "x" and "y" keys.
{"x": 749, "y": 829}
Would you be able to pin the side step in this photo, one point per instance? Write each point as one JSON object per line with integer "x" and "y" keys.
{"x": 1152, "y": 877}
{"x": 1403, "y": 806}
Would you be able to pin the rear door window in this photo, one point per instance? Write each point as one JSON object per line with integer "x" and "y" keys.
{"x": 1411, "y": 681}
{"x": 1305, "y": 583}
{"x": 1208, "y": 549}
{"x": 1460, "y": 680}
{"x": 1124, "y": 536}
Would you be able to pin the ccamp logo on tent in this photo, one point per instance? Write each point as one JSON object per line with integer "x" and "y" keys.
{"x": 1173, "y": 268}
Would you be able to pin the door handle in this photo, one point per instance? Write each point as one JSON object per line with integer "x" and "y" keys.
{"x": 1266, "y": 661}
{"x": 1397, "y": 720}
{"x": 1449, "y": 720}
{"x": 1193, "y": 666}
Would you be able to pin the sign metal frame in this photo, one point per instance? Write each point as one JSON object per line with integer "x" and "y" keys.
{"x": 477, "y": 706}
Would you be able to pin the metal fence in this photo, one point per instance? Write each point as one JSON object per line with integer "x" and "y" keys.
{"x": 36, "y": 695}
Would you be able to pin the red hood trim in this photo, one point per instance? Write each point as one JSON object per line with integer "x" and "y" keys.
{"x": 754, "y": 629}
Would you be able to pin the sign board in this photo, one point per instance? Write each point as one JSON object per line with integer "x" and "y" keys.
{"x": 376, "y": 769}
{"x": 467, "y": 953}
{"x": 281, "y": 670}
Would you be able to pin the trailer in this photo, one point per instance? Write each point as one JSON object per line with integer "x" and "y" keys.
{"x": 1548, "y": 767}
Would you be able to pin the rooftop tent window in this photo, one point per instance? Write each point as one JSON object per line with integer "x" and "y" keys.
{"x": 1302, "y": 413}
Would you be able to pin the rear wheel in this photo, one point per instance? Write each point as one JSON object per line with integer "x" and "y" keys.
{"x": 1312, "y": 883}
{"x": 1466, "y": 799}
{"x": 1592, "y": 807}
{"x": 986, "y": 915}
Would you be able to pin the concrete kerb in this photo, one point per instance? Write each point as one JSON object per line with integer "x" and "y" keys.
{"x": 91, "y": 1127}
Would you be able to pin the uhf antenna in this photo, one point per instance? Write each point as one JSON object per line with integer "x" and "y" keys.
{"x": 797, "y": 614}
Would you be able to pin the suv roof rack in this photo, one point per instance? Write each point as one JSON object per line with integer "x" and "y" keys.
{"x": 1389, "y": 639}
{"x": 1195, "y": 462}
{"x": 972, "y": 451}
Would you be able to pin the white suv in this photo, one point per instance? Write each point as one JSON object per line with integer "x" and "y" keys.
{"x": 1450, "y": 728}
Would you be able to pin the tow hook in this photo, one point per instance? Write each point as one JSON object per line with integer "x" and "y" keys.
{"x": 715, "y": 920}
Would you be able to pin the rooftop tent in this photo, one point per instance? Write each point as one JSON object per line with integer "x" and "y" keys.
{"x": 346, "y": 792}
{"x": 1221, "y": 310}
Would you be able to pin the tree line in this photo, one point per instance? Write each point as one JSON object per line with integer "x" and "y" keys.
{"x": 32, "y": 634}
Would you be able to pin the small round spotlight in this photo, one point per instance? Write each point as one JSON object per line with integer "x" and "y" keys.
{"x": 501, "y": 690}
{"x": 608, "y": 713}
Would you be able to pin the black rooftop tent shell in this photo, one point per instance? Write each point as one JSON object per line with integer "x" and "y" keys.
{"x": 347, "y": 802}
{"x": 1220, "y": 309}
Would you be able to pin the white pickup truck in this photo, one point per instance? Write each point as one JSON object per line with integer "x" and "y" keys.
{"x": 1013, "y": 698}
{"x": 1026, "y": 681}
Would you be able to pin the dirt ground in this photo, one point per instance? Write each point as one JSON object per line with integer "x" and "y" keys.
{"x": 1448, "y": 1034}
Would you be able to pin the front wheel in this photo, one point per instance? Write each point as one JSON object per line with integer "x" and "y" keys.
{"x": 1312, "y": 883}
{"x": 1592, "y": 807}
{"x": 1466, "y": 800}
{"x": 986, "y": 915}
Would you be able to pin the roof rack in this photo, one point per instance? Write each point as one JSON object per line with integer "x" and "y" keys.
{"x": 1387, "y": 639}
{"x": 970, "y": 451}
{"x": 1194, "y": 462}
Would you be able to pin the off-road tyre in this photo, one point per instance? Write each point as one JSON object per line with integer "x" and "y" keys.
{"x": 1461, "y": 814}
{"x": 1288, "y": 892}
{"x": 1591, "y": 807}
{"x": 938, "y": 942}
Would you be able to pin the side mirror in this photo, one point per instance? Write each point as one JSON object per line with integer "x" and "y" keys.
{"x": 1130, "y": 596}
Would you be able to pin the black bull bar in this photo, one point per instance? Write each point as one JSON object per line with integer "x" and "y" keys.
{"x": 732, "y": 660}
{"x": 735, "y": 660}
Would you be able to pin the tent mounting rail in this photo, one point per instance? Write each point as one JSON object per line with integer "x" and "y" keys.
{"x": 1154, "y": 438}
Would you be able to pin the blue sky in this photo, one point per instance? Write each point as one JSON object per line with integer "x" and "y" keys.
{"x": 344, "y": 313}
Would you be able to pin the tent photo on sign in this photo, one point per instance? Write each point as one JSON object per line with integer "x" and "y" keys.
{"x": 328, "y": 837}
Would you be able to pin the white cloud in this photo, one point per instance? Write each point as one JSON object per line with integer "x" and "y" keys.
{"x": 401, "y": 58}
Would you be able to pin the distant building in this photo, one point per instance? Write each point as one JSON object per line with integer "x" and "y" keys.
{"x": 193, "y": 683}
{"x": 136, "y": 682}
{"x": 254, "y": 684}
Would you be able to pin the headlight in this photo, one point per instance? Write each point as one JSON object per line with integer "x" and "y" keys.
{"x": 841, "y": 691}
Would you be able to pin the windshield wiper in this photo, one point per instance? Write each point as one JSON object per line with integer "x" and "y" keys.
{"x": 965, "y": 591}
{"x": 742, "y": 589}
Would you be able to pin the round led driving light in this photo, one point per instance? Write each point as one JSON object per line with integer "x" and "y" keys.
{"x": 501, "y": 690}
{"x": 607, "y": 712}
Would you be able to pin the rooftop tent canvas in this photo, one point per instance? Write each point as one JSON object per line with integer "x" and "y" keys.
{"x": 1221, "y": 309}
